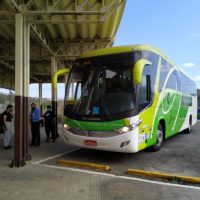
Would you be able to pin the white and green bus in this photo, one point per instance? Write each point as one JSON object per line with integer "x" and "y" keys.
{"x": 127, "y": 98}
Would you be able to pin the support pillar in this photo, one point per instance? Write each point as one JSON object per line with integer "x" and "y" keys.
{"x": 54, "y": 95}
{"x": 40, "y": 98}
{"x": 18, "y": 160}
{"x": 22, "y": 70}
{"x": 26, "y": 81}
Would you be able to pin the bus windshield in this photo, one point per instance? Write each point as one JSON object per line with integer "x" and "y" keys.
{"x": 101, "y": 88}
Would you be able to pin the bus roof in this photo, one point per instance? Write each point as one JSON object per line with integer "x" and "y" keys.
{"x": 124, "y": 49}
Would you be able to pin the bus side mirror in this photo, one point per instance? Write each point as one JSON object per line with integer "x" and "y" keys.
{"x": 138, "y": 69}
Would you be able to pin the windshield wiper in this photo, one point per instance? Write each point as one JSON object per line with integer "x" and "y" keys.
{"x": 100, "y": 94}
{"x": 103, "y": 103}
{"x": 94, "y": 93}
{"x": 82, "y": 100}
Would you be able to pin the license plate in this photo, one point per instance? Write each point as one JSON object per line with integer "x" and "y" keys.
{"x": 90, "y": 142}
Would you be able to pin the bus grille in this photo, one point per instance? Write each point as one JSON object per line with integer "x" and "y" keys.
{"x": 98, "y": 134}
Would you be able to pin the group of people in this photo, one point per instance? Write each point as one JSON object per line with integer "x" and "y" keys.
{"x": 35, "y": 121}
{"x": 49, "y": 120}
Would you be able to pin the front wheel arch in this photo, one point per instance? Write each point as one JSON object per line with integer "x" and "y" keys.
{"x": 160, "y": 135}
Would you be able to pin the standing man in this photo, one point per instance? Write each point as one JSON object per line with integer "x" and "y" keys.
{"x": 8, "y": 126}
{"x": 49, "y": 123}
{"x": 35, "y": 125}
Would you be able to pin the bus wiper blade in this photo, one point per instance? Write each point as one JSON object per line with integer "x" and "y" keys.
{"x": 100, "y": 94}
{"x": 104, "y": 104}
{"x": 81, "y": 101}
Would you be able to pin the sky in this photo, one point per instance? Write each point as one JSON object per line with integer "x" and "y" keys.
{"x": 171, "y": 25}
{"x": 46, "y": 90}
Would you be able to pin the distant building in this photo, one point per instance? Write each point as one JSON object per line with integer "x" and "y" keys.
{"x": 198, "y": 94}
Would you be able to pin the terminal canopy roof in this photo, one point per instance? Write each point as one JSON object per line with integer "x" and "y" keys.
{"x": 59, "y": 28}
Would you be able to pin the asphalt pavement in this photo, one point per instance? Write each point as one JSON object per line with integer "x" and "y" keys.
{"x": 42, "y": 178}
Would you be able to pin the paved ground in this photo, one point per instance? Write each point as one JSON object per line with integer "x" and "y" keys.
{"x": 35, "y": 181}
{"x": 179, "y": 155}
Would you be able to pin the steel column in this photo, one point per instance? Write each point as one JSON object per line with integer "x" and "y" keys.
{"x": 54, "y": 94}
{"x": 40, "y": 98}
{"x": 22, "y": 78}
{"x": 26, "y": 81}
{"x": 18, "y": 160}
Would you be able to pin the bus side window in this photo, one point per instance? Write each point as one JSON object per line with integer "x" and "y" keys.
{"x": 77, "y": 94}
{"x": 145, "y": 92}
{"x": 70, "y": 92}
{"x": 74, "y": 92}
{"x": 172, "y": 82}
{"x": 164, "y": 70}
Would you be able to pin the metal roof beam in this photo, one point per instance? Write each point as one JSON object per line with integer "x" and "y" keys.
{"x": 69, "y": 4}
{"x": 62, "y": 12}
{"x": 80, "y": 8}
{"x": 90, "y": 6}
{"x": 7, "y": 21}
{"x": 109, "y": 14}
{"x": 3, "y": 12}
{"x": 14, "y": 5}
{"x": 29, "y": 4}
{"x": 42, "y": 38}
{"x": 42, "y": 73}
{"x": 50, "y": 10}
{"x": 107, "y": 8}
{"x": 12, "y": 67}
{"x": 56, "y": 3}
{"x": 60, "y": 21}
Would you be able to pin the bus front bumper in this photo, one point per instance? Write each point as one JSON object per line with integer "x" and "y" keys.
{"x": 126, "y": 142}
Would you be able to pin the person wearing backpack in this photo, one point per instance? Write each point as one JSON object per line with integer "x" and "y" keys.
{"x": 7, "y": 126}
{"x": 49, "y": 124}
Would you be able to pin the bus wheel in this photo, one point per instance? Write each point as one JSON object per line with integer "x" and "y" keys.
{"x": 159, "y": 140}
{"x": 188, "y": 130}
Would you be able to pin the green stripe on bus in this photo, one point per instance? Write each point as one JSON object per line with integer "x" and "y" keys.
{"x": 97, "y": 126}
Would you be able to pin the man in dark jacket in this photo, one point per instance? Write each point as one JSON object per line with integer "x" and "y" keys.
{"x": 49, "y": 123}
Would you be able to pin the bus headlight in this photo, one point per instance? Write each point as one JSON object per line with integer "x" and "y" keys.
{"x": 125, "y": 129}
{"x": 66, "y": 126}
{"x": 129, "y": 128}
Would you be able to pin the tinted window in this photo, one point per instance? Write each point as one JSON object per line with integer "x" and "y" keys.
{"x": 143, "y": 90}
{"x": 188, "y": 86}
{"x": 104, "y": 88}
{"x": 145, "y": 96}
{"x": 172, "y": 81}
{"x": 153, "y": 58}
{"x": 164, "y": 70}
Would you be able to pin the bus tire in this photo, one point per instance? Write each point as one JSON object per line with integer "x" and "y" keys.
{"x": 188, "y": 130}
{"x": 159, "y": 139}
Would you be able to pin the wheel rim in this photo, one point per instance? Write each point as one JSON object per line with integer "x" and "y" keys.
{"x": 159, "y": 137}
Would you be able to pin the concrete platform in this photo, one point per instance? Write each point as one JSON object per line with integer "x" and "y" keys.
{"x": 39, "y": 181}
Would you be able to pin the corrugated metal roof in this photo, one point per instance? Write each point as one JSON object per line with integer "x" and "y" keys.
{"x": 61, "y": 28}
{"x": 66, "y": 19}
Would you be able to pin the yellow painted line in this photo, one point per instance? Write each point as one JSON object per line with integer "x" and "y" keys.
{"x": 84, "y": 165}
{"x": 188, "y": 179}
